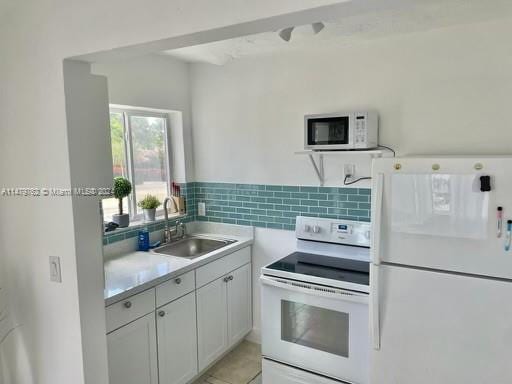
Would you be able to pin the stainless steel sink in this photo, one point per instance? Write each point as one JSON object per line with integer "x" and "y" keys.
{"x": 191, "y": 247}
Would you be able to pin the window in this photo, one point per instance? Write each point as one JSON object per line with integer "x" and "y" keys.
{"x": 139, "y": 153}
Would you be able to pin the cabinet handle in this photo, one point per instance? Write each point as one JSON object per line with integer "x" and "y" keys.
{"x": 228, "y": 278}
{"x": 161, "y": 313}
{"x": 178, "y": 281}
{"x": 127, "y": 304}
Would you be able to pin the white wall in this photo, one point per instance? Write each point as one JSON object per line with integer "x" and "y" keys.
{"x": 445, "y": 91}
{"x": 156, "y": 82}
{"x": 87, "y": 112}
{"x": 35, "y": 38}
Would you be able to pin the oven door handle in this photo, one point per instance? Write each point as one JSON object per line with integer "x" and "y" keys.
{"x": 316, "y": 290}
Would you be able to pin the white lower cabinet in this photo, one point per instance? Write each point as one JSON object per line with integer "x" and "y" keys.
{"x": 224, "y": 314}
{"x": 177, "y": 340}
{"x": 239, "y": 304}
{"x": 132, "y": 353}
{"x": 207, "y": 313}
{"x": 212, "y": 331}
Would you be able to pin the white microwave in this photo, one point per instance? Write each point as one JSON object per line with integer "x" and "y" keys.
{"x": 341, "y": 131}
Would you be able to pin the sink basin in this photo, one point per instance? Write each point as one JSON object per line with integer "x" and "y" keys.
{"x": 192, "y": 246}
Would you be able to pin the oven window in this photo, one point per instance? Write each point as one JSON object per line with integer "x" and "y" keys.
{"x": 314, "y": 327}
{"x": 328, "y": 131}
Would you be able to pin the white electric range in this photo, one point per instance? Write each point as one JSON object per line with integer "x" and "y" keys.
{"x": 315, "y": 306}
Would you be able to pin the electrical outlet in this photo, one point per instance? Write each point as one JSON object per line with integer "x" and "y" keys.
{"x": 201, "y": 209}
{"x": 349, "y": 170}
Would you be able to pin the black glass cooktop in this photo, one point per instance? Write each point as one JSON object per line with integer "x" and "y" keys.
{"x": 352, "y": 271}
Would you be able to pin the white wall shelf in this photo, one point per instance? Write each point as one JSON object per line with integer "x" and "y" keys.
{"x": 317, "y": 158}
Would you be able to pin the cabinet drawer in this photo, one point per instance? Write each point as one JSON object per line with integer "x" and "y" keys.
{"x": 132, "y": 308}
{"x": 175, "y": 288}
{"x": 224, "y": 265}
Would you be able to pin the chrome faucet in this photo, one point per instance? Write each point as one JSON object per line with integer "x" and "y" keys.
{"x": 179, "y": 227}
{"x": 167, "y": 231}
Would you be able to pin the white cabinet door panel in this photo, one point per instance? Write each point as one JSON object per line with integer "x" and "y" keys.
{"x": 132, "y": 354}
{"x": 212, "y": 321}
{"x": 239, "y": 304}
{"x": 177, "y": 340}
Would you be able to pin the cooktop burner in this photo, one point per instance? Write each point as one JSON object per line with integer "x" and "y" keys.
{"x": 334, "y": 268}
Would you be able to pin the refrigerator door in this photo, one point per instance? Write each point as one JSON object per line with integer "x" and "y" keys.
{"x": 440, "y": 328}
{"x": 431, "y": 212}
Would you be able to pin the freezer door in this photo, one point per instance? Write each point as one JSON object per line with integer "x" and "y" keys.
{"x": 431, "y": 212}
{"x": 440, "y": 328}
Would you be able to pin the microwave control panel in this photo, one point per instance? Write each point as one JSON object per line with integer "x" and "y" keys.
{"x": 360, "y": 129}
{"x": 365, "y": 130}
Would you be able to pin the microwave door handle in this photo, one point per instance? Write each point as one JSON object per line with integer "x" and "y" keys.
{"x": 377, "y": 200}
{"x": 341, "y": 295}
{"x": 375, "y": 306}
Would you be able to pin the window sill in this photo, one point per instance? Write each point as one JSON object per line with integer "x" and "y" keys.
{"x": 140, "y": 223}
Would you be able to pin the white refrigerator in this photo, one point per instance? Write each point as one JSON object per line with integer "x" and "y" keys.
{"x": 441, "y": 272}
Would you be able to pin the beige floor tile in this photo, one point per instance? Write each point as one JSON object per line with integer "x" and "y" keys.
{"x": 240, "y": 366}
{"x": 257, "y": 380}
{"x": 202, "y": 380}
{"x": 213, "y": 380}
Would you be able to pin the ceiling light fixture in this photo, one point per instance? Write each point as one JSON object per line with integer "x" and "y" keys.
{"x": 286, "y": 34}
{"x": 317, "y": 27}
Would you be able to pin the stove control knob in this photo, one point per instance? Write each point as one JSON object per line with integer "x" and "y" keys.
{"x": 307, "y": 228}
{"x": 316, "y": 229}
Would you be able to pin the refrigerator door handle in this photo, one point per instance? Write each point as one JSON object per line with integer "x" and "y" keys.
{"x": 375, "y": 306}
{"x": 378, "y": 187}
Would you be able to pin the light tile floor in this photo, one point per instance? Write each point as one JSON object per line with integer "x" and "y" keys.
{"x": 241, "y": 366}
{"x": 213, "y": 380}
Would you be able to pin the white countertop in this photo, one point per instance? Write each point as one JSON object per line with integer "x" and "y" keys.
{"x": 134, "y": 272}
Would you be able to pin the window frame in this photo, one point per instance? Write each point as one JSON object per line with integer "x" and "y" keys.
{"x": 126, "y": 114}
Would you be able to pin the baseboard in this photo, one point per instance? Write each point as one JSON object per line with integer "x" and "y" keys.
{"x": 254, "y": 336}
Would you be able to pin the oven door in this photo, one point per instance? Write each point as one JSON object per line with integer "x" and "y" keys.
{"x": 316, "y": 328}
{"x": 329, "y": 132}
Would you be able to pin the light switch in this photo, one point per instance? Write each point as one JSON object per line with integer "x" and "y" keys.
{"x": 55, "y": 273}
{"x": 201, "y": 209}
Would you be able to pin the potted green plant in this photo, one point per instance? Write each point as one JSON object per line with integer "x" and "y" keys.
{"x": 122, "y": 188}
{"x": 149, "y": 204}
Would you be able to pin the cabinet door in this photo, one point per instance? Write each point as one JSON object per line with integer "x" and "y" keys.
{"x": 212, "y": 326}
{"x": 177, "y": 340}
{"x": 132, "y": 355}
{"x": 239, "y": 303}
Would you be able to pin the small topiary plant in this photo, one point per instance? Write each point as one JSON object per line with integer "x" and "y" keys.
{"x": 149, "y": 202}
{"x": 122, "y": 188}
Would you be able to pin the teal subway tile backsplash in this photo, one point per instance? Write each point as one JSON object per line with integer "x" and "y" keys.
{"x": 267, "y": 206}
{"x": 277, "y": 206}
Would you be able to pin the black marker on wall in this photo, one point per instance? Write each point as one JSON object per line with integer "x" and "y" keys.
{"x": 499, "y": 217}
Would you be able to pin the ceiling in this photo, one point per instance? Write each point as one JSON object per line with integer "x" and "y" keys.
{"x": 418, "y": 15}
